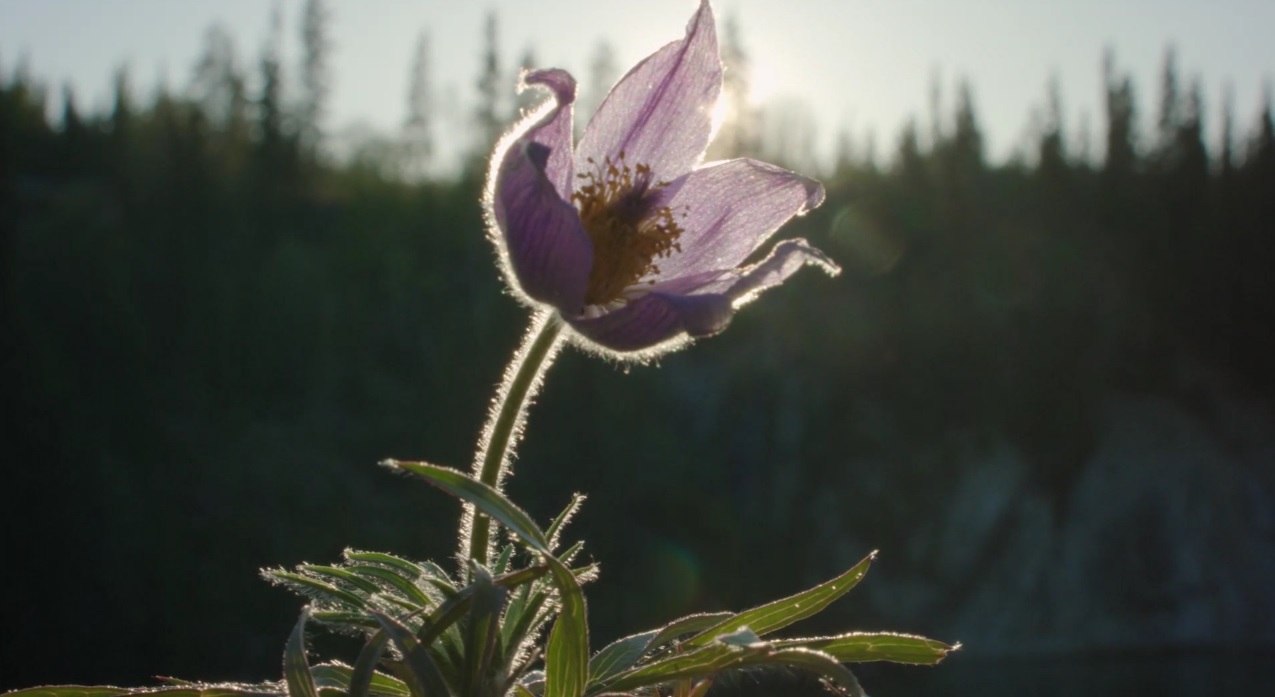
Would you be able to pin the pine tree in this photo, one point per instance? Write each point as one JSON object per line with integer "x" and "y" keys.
{"x": 276, "y": 147}
{"x": 1053, "y": 148}
{"x": 417, "y": 134}
{"x": 316, "y": 46}
{"x": 1120, "y": 159}
{"x": 217, "y": 85}
{"x": 490, "y": 112}
{"x": 1170, "y": 115}
{"x": 1226, "y": 159}
{"x": 967, "y": 139}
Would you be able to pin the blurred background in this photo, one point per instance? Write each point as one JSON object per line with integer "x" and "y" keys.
{"x": 242, "y": 262}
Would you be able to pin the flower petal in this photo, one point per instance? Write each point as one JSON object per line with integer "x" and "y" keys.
{"x": 729, "y": 209}
{"x": 545, "y": 252}
{"x": 656, "y": 318}
{"x": 555, "y": 131}
{"x": 660, "y": 114}
{"x": 783, "y": 261}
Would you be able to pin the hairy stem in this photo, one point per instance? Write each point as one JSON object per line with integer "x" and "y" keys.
{"x": 505, "y": 420}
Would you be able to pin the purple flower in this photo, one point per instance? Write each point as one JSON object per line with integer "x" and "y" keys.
{"x": 636, "y": 246}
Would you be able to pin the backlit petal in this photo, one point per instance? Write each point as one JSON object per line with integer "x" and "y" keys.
{"x": 547, "y": 252}
{"x": 729, "y": 209}
{"x": 783, "y": 261}
{"x": 555, "y": 131}
{"x": 660, "y": 113}
{"x": 656, "y": 318}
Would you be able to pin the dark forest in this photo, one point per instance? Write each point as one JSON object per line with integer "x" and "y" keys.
{"x": 214, "y": 328}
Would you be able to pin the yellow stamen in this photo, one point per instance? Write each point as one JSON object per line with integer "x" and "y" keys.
{"x": 628, "y": 235}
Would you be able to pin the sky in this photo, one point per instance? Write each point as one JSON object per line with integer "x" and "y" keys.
{"x": 862, "y": 66}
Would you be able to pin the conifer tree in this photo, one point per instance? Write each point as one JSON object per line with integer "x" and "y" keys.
{"x": 275, "y": 144}
{"x": 316, "y": 46}
{"x": 1120, "y": 157}
{"x": 1170, "y": 114}
{"x": 417, "y": 128}
{"x": 1052, "y": 163}
{"x": 1226, "y": 158}
{"x": 218, "y": 85}
{"x": 490, "y": 112}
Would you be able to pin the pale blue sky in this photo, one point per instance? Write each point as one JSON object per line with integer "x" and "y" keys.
{"x": 859, "y": 64}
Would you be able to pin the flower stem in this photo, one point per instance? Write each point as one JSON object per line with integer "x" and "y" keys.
{"x": 522, "y": 381}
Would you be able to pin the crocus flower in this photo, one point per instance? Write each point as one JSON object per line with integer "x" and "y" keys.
{"x": 636, "y": 245}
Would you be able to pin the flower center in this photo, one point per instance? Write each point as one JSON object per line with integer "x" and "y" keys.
{"x": 629, "y": 233}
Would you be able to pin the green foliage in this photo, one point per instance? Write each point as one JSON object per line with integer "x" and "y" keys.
{"x": 484, "y": 657}
{"x": 474, "y": 641}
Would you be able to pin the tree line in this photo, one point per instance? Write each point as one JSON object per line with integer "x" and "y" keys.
{"x": 212, "y": 327}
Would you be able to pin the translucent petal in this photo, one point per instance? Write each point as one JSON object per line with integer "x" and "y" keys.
{"x": 656, "y": 318}
{"x": 660, "y": 113}
{"x": 730, "y": 209}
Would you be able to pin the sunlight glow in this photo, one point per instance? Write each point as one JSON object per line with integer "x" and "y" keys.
{"x": 721, "y": 113}
{"x": 763, "y": 82}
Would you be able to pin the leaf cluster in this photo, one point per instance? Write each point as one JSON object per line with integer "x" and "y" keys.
{"x": 430, "y": 634}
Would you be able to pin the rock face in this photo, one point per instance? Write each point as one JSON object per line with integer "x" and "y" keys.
{"x": 1165, "y": 539}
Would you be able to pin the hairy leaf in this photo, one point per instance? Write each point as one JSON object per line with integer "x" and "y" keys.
{"x": 296, "y": 670}
{"x": 485, "y": 498}
{"x": 185, "y": 689}
{"x": 619, "y": 656}
{"x": 861, "y": 647}
{"x": 781, "y": 613}
{"x": 339, "y": 676}
{"x": 423, "y": 674}
{"x": 567, "y": 653}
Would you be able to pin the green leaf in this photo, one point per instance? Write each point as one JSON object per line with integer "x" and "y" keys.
{"x": 502, "y": 560}
{"x": 352, "y": 619}
{"x": 697, "y": 663}
{"x": 482, "y": 629}
{"x": 567, "y": 653}
{"x": 514, "y": 579}
{"x": 296, "y": 671}
{"x": 363, "y": 675}
{"x": 341, "y": 575}
{"x": 555, "y": 528}
{"x": 360, "y": 584}
{"x": 619, "y": 656}
{"x": 812, "y": 661}
{"x": 781, "y": 613}
{"x": 393, "y": 580}
{"x": 569, "y": 554}
{"x": 319, "y": 590}
{"x": 439, "y": 578}
{"x": 411, "y": 571}
{"x": 521, "y": 619}
{"x": 184, "y": 690}
{"x": 73, "y": 691}
{"x": 485, "y": 498}
{"x": 445, "y": 616}
{"x": 689, "y": 625}
{"x": 742, "y": 637}
{"x": 339, "y": 676}
{"x": 861, "y": 647}
{"x": 423, "y": 674}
